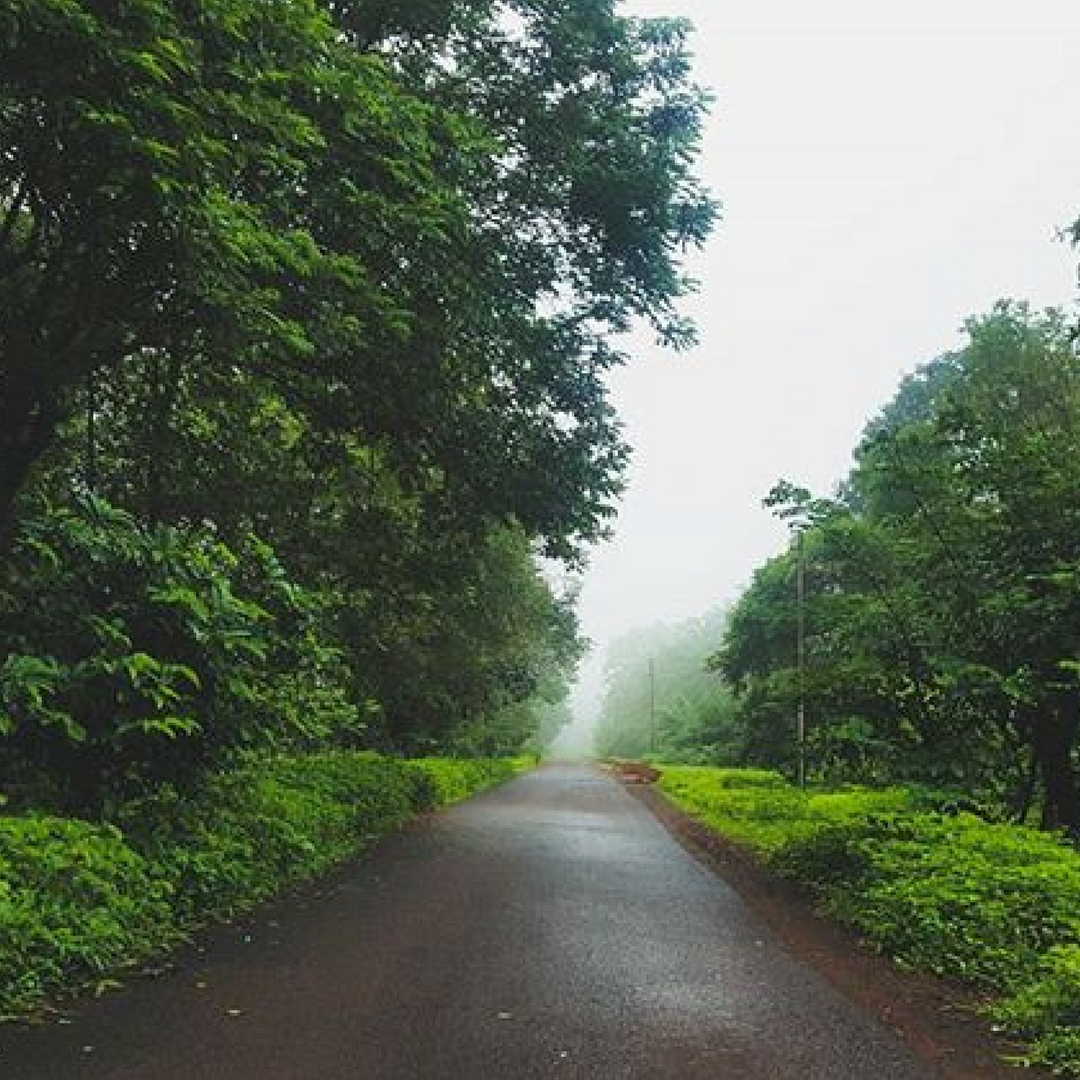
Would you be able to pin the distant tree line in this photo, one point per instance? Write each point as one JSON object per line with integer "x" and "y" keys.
{"x": 662, "y": 701}
{"x": 305, "y": 311}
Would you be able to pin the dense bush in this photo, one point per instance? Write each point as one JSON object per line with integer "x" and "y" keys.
{"x": 79, "y": 902}
{"x": 76, "y": 902}
{"x": 452, "y": 779}
{"x": 134, "y": 655}
{"x": 993, "y": 904}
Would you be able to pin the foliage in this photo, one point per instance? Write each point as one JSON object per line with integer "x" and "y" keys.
{"x": 413, "y": 232}
{"x": 463, "y": 663}
{"x": 148, "y": 654}
{"x": 80, "y": 903}
{"x": 77, "y": 904}
{"x": 995, "y": 904}
{"x": 1045, "y": 1010}
{"x": 665, "y": 667}
{"x": 941, "y": 586}
{"x": 170, "y": 188}
{"x": 306, "y": 312}
{"x": 759, "y": 808}
{"x": 454, "y": 779}
{"x": 140, "y": 655}
{"x": 248, "y": 831}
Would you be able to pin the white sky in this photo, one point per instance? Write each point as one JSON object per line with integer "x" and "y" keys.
{"x": 886, "y": 169}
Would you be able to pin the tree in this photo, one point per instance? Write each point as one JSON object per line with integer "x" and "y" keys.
{"x": 661, "y": 699}
{"x": 437, "y": 285}
{"x": 158, "y": 169}
{"x": 946, "y": 576}
{"x": 336, "y": 282}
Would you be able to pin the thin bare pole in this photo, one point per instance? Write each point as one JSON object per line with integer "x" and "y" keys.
{"x": 801, "y": 720}
{"x": 652, "y": 705}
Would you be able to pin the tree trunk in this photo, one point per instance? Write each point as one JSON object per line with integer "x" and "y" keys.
{"x": 1054, "y": 738}
{"x": 1024, "y": 796}
{"x": 25, "y": 432}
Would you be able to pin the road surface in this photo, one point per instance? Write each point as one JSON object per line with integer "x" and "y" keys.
{"x": 550, "y": 928}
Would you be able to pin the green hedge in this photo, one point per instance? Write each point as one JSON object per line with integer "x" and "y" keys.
{"x": 993, "y": 904}
{"x": 453, "y": 779}
{"x": 75, "y": 902}
{"x": 81, "y": 902}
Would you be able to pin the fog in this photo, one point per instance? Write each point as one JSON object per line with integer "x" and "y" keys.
{"x": 886, "y": 171}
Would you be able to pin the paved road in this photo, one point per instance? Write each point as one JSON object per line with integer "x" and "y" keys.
{"x": 551, "y": 928}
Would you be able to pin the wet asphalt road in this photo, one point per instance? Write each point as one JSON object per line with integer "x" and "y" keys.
{"x": 551, "y": 928}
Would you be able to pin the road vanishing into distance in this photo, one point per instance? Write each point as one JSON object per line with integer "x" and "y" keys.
{"x": 550, "y": 928}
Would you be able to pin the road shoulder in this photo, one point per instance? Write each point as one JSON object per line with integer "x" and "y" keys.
{"x": 933, "y": 1016}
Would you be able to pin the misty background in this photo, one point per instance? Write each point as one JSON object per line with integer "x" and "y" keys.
{"x": 886, "y": 171}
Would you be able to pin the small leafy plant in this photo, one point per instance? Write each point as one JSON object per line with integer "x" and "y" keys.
{"x": 81, "y": 902}
{"x": 939, "y": 890}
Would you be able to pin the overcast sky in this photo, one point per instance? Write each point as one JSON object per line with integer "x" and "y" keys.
{"x": 887, "y": 169}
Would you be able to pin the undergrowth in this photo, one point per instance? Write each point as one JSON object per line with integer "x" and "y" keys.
{"x": 993, "y": 904}
{"x": 81, "y": 902}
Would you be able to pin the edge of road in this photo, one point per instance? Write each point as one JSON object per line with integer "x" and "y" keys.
{"x": 936, "y": 1018}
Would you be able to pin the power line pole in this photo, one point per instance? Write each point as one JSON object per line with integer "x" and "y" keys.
{"x": 652, "y": 705}
{"x": 800, "y": 577}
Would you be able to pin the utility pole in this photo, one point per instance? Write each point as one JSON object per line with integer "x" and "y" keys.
{"x": 800, "y": 587}
{"x": 652, "y": 705}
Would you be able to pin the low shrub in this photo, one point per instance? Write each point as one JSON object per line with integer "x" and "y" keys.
{"x": 993, "y": 904}
{"x": 453, "y": 779}
{"x": 76, "y": 903}
{"x": 270, "y": 822}
{"x": 964, "y": 898}
{"x": 748, "y": 778}
{"x": 79, "y": 902}
{"x": 762, "y": 810}
{"x": 1048, "y": 1001}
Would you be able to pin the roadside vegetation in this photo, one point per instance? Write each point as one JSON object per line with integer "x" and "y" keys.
{"x": 933, "y": 641}
{"x": 83, "y": 903}
{"x": 305, "y": 315}
{"x": 924, "y": 881}
{"x": 939, "y": 682}
{"x": 942, "y": 585}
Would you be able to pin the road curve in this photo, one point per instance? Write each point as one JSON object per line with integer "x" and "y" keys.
{"x": 551, "y": 928}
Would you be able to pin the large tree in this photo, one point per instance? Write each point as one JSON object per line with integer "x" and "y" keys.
{"x": 334, "y": 283}
{"x": 159, "y": 167}
{"x": 417, "y": 225}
